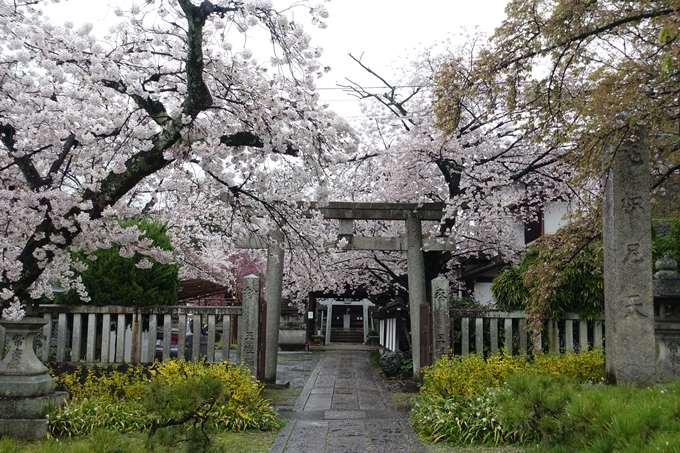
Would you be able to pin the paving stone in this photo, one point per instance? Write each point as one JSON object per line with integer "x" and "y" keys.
{"x": 358, "y": 414}
{"x": 344, "y": 415}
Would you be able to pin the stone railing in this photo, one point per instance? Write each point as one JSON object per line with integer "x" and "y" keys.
{"x": 486, "y": 331}
{"x": 116, "y": 335}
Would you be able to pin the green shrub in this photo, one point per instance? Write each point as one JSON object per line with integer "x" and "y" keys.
{"x": 581, "y": 288}
{"x": 111, "y": 279}
{"x": 469, "y": 419}
{"x": 624, "y": 418}
{"x": 547, "y": 401}
{"x": 669, "y": 244}
{"x": 530, "y": 406}
{"x": 468, "y": 375}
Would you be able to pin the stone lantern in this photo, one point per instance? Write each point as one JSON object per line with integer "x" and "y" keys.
{"x": 667, "y": 317}
{"x": 26, "y": 387}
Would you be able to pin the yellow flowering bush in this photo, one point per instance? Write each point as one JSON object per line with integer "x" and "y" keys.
{"x": 113, "y": 399}
{"x": 585, "y": 366}
{"x": 458, "y": 400}
{"x": 88, "y": 383}
{"x": 454, "y": 376}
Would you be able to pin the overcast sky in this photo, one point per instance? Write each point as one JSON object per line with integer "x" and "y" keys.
{"x": 384, "y": 31}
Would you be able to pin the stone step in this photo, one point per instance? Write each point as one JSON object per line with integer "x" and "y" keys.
{"x": 347, "y": 336}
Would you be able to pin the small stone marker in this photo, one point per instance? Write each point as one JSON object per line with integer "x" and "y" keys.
{"x": 441, "y": 324}
{"x": 248, "y": 328}
{"x": 629, "y": 305}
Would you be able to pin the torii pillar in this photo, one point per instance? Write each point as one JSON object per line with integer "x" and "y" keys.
{"x": 417, "y": 291}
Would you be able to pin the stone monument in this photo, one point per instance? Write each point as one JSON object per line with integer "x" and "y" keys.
{"x": 629, "y": 305}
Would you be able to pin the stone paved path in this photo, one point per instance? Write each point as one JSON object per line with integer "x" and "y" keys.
{"x": 345, "y": 408}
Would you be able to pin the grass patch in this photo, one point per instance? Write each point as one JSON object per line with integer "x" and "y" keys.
{"x": 113, "y": 442}
{"x": 282, "y": 399}
{"x": 402, "y": 401}
{"x": 374, "y": 359}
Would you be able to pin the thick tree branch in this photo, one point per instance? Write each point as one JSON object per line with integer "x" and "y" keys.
{"x": 198, "y": 95}
{"x": 250, "y": 139}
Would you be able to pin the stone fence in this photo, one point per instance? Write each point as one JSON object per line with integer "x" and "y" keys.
{"x": 116, "y": 335}
{"x": 486, "y": 331}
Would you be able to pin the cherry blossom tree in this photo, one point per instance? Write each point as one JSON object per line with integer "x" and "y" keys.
{"x": 168, "y": 114}
{"x": 489, "y": 173}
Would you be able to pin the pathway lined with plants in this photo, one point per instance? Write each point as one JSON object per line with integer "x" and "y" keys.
{"x": 345, "y": 407}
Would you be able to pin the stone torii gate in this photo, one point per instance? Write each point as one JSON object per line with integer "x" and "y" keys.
{"x": 411, "y": 213}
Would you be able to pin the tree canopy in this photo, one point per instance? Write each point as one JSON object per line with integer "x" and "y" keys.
{"x": 166, "y": 113}
{"x": 579, "y": 74}
{"x": 575, "y": 76}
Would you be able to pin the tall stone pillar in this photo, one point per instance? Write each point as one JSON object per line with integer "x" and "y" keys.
{"x": 629, "y": 304}
{"x": 417, "y": 291}
{"x": 248, "y": 324}
{"x": 272, "y": 298}
{"x": 441, "y": 324}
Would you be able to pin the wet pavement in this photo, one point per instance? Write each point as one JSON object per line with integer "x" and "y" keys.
{"x": 344, "y": 407}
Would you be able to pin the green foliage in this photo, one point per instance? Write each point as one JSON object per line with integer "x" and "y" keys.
{"x": 407, "y": 367}
{"x": 114, "y": 280}
{"x": 220, "y": 396}
{"x": 468, "y": 419}
{"x": 508, "y": 288}
{"x": 580, "y": 289}
{"x": 183, "y": 410}
{"x": 592, "y": 418}
{"x": 374, "y": 358}
{"x": 530, "y": 407}
{"x": 669, "y": 244}
{"x": 108, "y": 441}
{"x": 469, "y": 303}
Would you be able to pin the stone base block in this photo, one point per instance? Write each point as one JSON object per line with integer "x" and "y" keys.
{"x": 39, "y": 384}
{"x": 24, "y": 429}
{"x": 30, "y": 407}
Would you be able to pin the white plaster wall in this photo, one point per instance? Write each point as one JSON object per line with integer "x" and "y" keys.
{"x": 555, "y": 217}
{"x": 292, "y": 337}
{"x": 483, "y": 293}
{"x": 518, "y": 230}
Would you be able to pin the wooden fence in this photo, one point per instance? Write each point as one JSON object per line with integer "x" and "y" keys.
{"x": 486, "y": 331}
{"x": 116, "y": 335}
